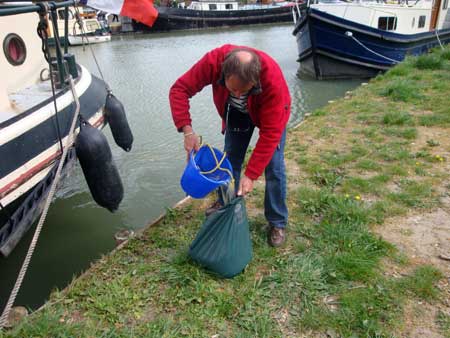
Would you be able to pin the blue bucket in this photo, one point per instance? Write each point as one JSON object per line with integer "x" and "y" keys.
{"x": 206, "y": 170}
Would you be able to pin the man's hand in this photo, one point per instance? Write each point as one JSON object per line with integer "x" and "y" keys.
{"x": 191, "y": 140}
{"x": 245, "y": 186}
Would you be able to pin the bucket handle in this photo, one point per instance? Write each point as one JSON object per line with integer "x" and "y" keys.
{"x": 218, "y": 163}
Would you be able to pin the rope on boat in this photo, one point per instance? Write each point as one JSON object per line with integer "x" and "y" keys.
{"x": 43, "y": 34}
{"x": 26, "y": 262}
{"x": 350, "y": 34}
{"x": 298, "y": 9}
{"x": 83, "y": 32}
{"x": 439, "y": 40}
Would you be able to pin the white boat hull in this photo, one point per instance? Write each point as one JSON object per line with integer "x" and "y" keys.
{"x": 83, "y": 40}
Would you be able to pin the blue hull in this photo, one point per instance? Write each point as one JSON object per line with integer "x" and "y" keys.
{"x": 330, "y": 47}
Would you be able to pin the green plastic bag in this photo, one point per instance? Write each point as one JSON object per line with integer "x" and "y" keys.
{"x": 223, "y": 244}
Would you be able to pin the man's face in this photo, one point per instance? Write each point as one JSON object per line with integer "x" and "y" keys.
{"x": 236, "y": 86}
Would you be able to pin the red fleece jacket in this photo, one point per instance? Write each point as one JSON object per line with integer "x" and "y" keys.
{"x": 269, "y": 109}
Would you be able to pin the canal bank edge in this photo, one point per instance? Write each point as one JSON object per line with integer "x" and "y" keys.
{"x": 133, "y": 234}
{"x": 369, "y": 189}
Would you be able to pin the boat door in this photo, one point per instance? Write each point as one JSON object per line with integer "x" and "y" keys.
{"x": 435, "y": 13}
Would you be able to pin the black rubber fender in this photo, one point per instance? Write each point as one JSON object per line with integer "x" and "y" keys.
{"x": 98, "y": 167}
{"x": 117, "y": 119}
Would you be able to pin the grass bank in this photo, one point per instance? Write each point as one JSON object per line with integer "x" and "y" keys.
{"x": 356, "y": 167}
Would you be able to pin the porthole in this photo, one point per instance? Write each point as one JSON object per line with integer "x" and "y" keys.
{"x": 14, "y": 49}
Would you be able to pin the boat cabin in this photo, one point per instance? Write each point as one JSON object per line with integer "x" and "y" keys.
{"x": 398, "y": 17}
{"x": 89, "y": 21}
{"x": 219, "y": 5}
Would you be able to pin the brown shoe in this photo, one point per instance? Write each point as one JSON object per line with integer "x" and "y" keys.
{"x": 213, "y": 208}
{"x": 276, "y": 236}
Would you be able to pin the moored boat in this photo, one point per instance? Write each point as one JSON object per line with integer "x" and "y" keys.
{"x": 360, "y": 39}
{"x": 37, "y": 108}
{"x": 220, "y": 13}
{"x": 83, "y": 28}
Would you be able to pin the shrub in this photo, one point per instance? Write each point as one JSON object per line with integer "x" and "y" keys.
{"x": 445, "y": 55}
{"x": 428, "y": 62}
{"x": 401, "y": 90}
{"x": 397, "y": 118}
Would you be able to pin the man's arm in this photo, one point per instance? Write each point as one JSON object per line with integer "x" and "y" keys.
{"x": 274, "y": 116}
{"x": 202, "y": 74}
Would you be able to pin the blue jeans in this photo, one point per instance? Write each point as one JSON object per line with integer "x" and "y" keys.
{"x": 275, "y": 207}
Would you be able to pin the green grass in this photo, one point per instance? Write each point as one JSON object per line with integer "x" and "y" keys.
{"x": 422, "y": 282}
{"x": 367, "y": 307}
{"x": 401, "y": 70}
{"x": 327, "y": 178}
{"x": 430, "y": 61}
{"x": 392, "y": 152}
{"x": 397, "y": 119}
{"x": 406, "y": 133}
{"x": 434, "y": 120}
{"x": 367, "y": 164}
{"x": 401, "y": 90}
{"x": 445, "y": 55}
{"x": 319, "y": 112}
{"x": 443, "y": 321}
{"x": 414, "y": 194}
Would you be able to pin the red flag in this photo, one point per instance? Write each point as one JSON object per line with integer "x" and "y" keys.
{"x": 140, "y": 10}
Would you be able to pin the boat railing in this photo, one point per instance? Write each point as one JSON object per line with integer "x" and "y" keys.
{"x": 25, "y": 6}
{"x": 241, "y": 7}
{"x": 259, "y": 6}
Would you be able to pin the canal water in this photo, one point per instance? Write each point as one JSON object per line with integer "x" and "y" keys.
{"x": 140, "y": 70}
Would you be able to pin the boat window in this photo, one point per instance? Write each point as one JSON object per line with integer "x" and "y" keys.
{"x": 413, "y": 22}
{"x": 445, "y": 4}
{"x": 212, "y": 7}
{"x": 228, "y": 6}
{"x": 92, "y": 25}
{"x": 61, "y": 15}
{"x": 14, "y": 49}
{"x": 422, "y": 20}
{"x": 387, "y": 23}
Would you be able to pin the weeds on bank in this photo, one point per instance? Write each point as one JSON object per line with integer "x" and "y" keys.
{"x": 444, "y": 323}
{"x": 329, "y": 277}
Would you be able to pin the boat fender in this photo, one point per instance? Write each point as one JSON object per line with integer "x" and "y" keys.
{"x": 98, "y": 167}
{"x": 115, "y": 115}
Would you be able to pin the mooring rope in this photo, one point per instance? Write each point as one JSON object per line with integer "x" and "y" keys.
{"x": 83, "y": 32}
{"x": 439, "y": 40}
{"x": 350, "y": 34}
{"x": 43, "y": 35}
{"x": 26, "y": 262}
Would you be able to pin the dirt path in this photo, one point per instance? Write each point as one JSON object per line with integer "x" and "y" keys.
{"x": 425, "y": 239}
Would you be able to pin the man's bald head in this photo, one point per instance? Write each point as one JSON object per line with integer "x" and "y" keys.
{"x": 242, "y": 63}
{"x": 245, "y": 56}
